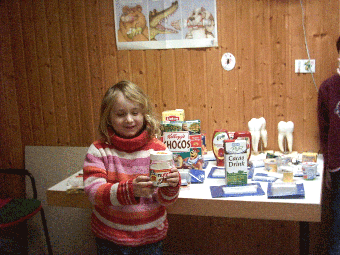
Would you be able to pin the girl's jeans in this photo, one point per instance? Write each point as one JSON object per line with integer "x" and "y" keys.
{"x": 105, "y": 247}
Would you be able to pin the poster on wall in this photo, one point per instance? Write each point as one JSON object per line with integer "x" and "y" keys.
{"x": 165, "y": 24}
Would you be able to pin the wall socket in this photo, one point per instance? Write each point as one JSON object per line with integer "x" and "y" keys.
{"x": 304, "y": 66}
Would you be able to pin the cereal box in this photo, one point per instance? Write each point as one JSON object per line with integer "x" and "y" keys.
{"x": 186, "y": 149}
{"x": 192, "y": 126}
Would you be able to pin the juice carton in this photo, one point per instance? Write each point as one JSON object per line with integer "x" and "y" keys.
{"x": 235, "y": 162}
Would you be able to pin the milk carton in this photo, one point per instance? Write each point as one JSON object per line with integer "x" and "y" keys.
{"x": 235, "y": 162}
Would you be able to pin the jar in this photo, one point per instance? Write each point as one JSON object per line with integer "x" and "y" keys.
{"x": 282, "y": 162}
{"x": 270, "y": 165}
{"x": 161, "y": 163}
{"x": 309, "y": 170}
{"x": 288, "y": 174}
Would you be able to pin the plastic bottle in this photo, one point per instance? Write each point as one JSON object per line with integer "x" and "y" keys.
{"x": 217, "y": 145}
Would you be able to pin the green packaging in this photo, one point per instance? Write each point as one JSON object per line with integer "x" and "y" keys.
{"x": 235, "y": 162}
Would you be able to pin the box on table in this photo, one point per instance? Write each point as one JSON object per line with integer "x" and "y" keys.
{"x": 309, "y": 157}
{"x": 186, "y": 149}
{"x": 192, "y": 126}
{"x": 235, "y": 162}
{"x": 173, "y": 115}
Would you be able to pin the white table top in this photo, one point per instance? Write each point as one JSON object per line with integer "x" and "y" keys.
{"x": 196, "y": 199}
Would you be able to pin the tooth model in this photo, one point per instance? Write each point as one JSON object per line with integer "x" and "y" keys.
{"x": 257, "y": 128}
{"x": 285, "y": 131}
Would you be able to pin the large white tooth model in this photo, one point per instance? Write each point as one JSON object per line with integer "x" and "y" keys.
{"x": 257, "y": 128}
{"x": 285, "y": 131}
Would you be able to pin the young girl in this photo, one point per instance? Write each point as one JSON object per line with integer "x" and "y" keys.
{"x": 129, "y": 215}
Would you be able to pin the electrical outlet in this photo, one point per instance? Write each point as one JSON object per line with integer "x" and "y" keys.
{"x": 304, "y": 66}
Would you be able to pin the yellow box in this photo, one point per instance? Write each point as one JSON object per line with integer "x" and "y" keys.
{"x": 173, "y": 115}
{"x": 309, "y": 157}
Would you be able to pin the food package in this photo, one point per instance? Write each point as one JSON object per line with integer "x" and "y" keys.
{"x": 309, "y": 157}
{"x": 186, "y": 149}
{"x": 173, "y": 115}
{"x": 235, "y": 162}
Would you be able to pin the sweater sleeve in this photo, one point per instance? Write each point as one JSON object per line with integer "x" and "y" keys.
{"x": 323, "y": 121}
{"x": 168, "y": 195}
{"x": 98, "y": 190}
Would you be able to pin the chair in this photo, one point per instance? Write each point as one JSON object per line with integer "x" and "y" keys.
{"x": 16, "y": 210}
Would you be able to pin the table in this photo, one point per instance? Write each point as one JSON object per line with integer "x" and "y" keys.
{"x": 196, "y": 200}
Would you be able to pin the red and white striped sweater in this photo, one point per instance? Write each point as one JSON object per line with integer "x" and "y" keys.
{"x": 117, "y": 215}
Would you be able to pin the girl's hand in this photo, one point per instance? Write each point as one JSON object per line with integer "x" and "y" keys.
{"x": 142, "y": 186}
{"x": 173, "y": 177}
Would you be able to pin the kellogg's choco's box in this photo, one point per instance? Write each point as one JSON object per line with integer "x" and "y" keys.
{"x": 186, "y": 149}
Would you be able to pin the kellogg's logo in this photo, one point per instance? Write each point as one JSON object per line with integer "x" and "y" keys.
{"x": 177, "y": 141}
{"x": 175, "y": 136}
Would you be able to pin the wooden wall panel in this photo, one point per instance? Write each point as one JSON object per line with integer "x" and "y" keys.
{"x": 297, "y": 49}
{"x": 96, "y": 67}
{"x": 32, "y": 75}
{"x": 44, "y": 68}
{"x": 168, "y": 99}
{"x": 214, "y": 91}
{"x": 20, "y": 73}
{"x": 230, "y": 236}
{"x": 59, "y": 57}
{"x": 70, "y": 74}
{"x": 11, "y": 137}
{"x": 57, "y": 71}
{"x": 153, "y": 77}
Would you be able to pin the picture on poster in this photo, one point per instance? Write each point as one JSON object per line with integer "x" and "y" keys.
{"x": 165, "y": 24}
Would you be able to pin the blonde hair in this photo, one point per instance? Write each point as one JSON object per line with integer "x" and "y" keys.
{"x": 134, "y": 93}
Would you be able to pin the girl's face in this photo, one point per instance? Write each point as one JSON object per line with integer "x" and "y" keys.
{"x": 127, "y": 117}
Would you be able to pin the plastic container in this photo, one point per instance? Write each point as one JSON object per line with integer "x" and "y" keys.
{"x": 282, "y": 162}
{"x": 309, "y": 170}
{"x": 270, "y": 165}
{"x": 217, "y": 145}
{"x": 185, "y": 176}
{"x": 161, "y": 163}
{"x": 287, "y": 174}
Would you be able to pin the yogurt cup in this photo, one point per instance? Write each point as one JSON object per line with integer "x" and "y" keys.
{"x": 309, "y": 170}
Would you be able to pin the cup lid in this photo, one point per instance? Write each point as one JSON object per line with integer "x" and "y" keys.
{"x": 161, "y": 155}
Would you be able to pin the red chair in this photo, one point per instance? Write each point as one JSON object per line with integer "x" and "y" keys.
{"x": 16, "y": 210}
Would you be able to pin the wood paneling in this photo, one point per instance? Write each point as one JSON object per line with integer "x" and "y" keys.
{"x": 59, "y": 57}
{"x": 231, "y": 236}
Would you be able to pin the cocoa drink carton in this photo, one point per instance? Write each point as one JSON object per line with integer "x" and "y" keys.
{"x": 235, "y": 162}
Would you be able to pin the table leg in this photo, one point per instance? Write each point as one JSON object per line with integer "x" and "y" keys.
{"x": 304, "y": 238}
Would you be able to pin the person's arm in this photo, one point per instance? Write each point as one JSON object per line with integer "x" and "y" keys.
{"x": 323, "y": 121}
{"x": 168, "y": 195}
{"x": 98, "y": 190}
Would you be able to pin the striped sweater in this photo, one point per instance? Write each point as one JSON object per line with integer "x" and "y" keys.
{"x": 118, "y": 216}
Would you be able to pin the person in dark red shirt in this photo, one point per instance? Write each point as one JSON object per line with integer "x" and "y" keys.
{"x": 329, "y": 130}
